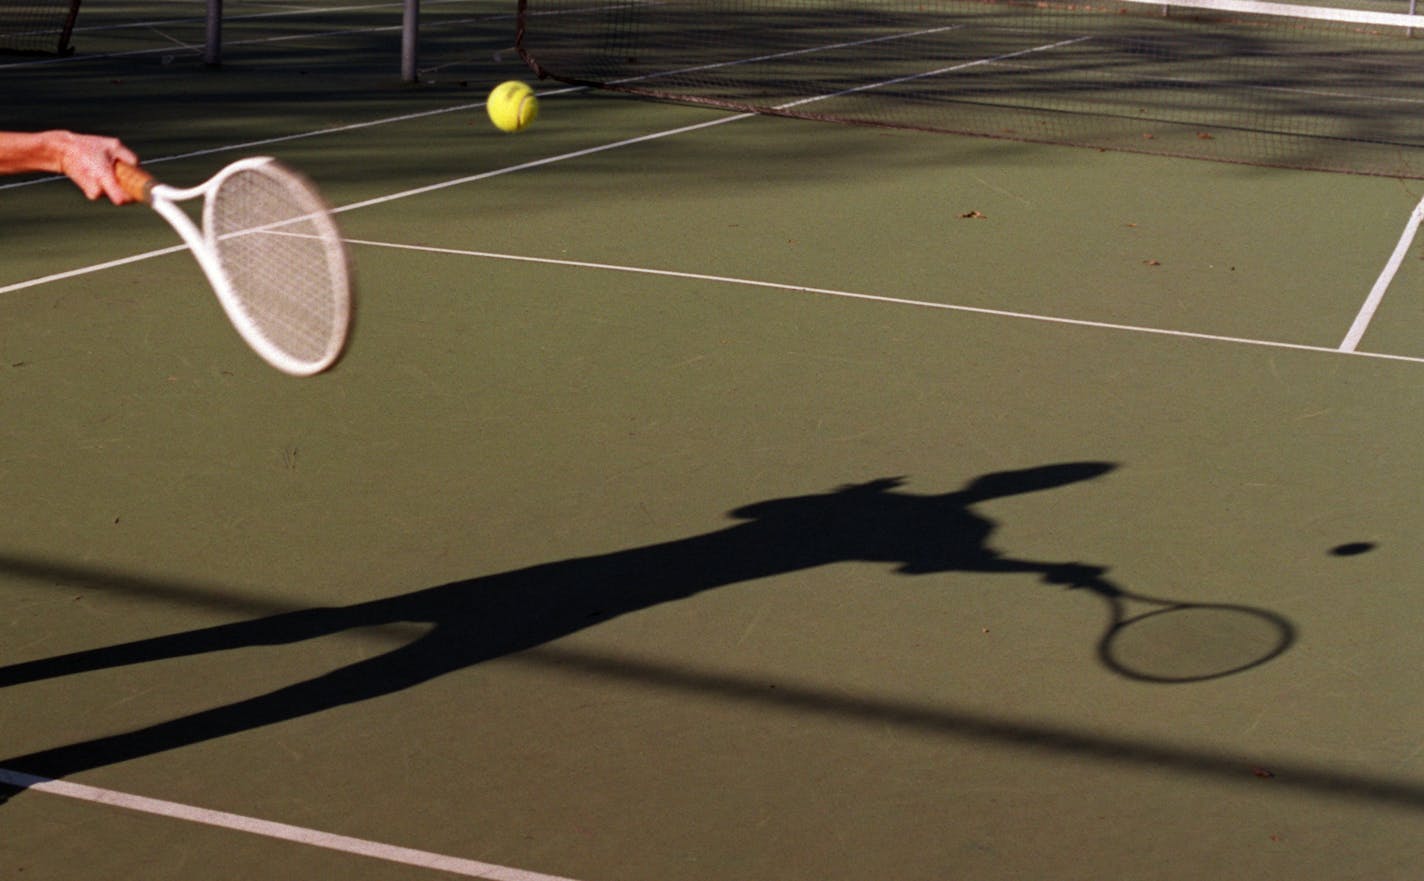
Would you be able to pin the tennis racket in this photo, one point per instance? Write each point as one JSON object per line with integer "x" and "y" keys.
{"x": 272, "y": 254}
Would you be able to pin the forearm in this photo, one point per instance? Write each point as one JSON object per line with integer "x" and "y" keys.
{"x": 88, "y": 160}
{"x": 30, "y": 151}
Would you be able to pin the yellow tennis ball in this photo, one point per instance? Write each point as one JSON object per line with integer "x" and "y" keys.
{"x": 512, "y": 106}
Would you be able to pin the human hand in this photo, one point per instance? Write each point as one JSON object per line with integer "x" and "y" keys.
{"x": 89, "y": 160}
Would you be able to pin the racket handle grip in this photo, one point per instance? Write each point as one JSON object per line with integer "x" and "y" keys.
{"x": 136, "y": 182}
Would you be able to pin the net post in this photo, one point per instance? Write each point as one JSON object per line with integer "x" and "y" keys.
{"x": 212, "y": 47}
{"x": 68, "y": 29}
{"x": 410, "y": 31}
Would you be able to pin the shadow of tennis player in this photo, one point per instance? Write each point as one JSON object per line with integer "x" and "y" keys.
{"x": 494, "y": 615}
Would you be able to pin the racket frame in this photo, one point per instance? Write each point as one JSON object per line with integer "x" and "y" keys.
{"x": 165, "y": 200}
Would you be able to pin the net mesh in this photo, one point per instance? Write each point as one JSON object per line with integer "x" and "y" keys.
{"x": 284, "y": 260}
{"x": 37, "y": 26}
{"x": 1232, "y": 80}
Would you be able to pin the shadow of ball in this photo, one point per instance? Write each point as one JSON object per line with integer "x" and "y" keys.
{"x": 1352, "y": 549}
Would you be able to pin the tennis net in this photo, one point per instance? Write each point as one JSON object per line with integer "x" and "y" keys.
{"x": 37, "y": 26}
{"x": 1330, "y": 88}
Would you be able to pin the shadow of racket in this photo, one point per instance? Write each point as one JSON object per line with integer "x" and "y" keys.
{"x": 1162, "y": 640}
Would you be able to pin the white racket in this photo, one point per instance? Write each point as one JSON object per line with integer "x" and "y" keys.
{"x": 272, "y": 254}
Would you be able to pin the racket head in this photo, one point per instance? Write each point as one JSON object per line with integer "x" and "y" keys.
{"x": 278, "y": 264}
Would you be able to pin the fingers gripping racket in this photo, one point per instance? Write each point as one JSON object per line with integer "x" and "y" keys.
{"x": 272, "y": 254}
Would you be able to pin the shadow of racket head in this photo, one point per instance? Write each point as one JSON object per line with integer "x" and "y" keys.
{"x": 1170, "y": 641}
{"x": 1161, "y": 640}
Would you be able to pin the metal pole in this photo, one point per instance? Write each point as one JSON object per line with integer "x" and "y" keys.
{"x": 212, "y": 49}
{"x": 410, "y": 28}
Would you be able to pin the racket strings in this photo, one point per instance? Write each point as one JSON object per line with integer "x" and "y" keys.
{"x": 284, "y": 261}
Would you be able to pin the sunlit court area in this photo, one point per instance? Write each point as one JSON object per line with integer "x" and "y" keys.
{"x": 781, "y": 440}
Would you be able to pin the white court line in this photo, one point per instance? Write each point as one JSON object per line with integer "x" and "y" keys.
{"x": 1348, "y": 346}
{"x": 479, "y": 105}
{"x": 380, "y": 200}
{"x": 536, "y": 163}
{"x": 881, "y": 298}
{"x": 296, "y": 136}
{"x": 1386, "y": 276}
{"x": 773, "y": 285}
{"x": 285, "y": 832}
{"x": 929, "y": 73}
{"x": 456, "y": 865}
{"x": 97, "y": 267}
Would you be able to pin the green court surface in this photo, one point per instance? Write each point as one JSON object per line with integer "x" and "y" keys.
{"x": 703, "y": 497}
